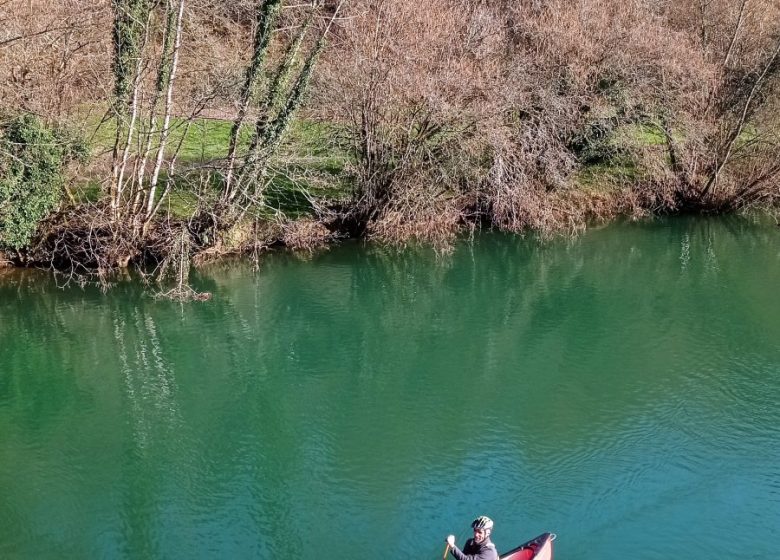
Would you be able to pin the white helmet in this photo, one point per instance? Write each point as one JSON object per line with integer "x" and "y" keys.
{"x": 482, "y": 522}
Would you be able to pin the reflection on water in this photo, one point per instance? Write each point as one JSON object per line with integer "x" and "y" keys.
{"x": 149, "y": 382}
{"x": 619, "y": 389}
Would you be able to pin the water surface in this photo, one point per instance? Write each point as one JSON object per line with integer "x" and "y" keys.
{"x": 620, "y": 390}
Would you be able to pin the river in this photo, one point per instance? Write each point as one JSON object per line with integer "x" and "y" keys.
{"x": 620, "y": 389}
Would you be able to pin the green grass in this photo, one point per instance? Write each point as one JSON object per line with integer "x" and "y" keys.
{"x": 181, "y": 203}
{"x": 310, "y": 161}
{"x": 203, "y": 141}
{"x": 207, "y": 140}
{"x": 618, "y": 167}
{"x": 86, "y": 189}
{"x": 605, "y": 176}
{"x": 642, "y": 134}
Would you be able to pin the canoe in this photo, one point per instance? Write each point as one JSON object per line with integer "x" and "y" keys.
{"x": 540, "y": 548}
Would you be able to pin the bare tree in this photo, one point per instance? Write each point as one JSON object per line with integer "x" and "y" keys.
{"x": 273, "y": 90}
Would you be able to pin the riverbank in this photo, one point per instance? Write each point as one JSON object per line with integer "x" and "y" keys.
{"x": 313, "y": 198}
{"x": 229, "y": 129}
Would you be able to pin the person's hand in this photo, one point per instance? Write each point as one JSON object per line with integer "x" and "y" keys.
{"x": 451, "y": 540}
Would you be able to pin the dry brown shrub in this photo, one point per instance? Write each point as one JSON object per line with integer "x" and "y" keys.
{"x": 84, "y": 242}
{"x": 723, "y": 155}
{"x": 53, "y": 55}
{"x": 521, "y": 86}
{"x": 305, "y": 235}
{"x": 432, "y": 221}
{"x": 408, "y": 88}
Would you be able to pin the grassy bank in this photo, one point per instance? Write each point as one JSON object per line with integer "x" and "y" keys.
{"x": 311, "y": 163}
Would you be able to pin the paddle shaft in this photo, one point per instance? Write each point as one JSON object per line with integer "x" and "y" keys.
{"x": 446, "y": 550}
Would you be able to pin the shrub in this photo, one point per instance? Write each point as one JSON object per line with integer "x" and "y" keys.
{"x": 32, "y": 161}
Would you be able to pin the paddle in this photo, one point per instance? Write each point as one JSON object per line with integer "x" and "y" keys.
{"x": 446, "y": 550}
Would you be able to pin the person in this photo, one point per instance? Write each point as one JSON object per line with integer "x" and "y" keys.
{"x": 478, "y": 548}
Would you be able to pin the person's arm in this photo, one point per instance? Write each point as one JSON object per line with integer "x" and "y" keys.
{"x": 484, "y": 554}
{"x": 458, "y": 553}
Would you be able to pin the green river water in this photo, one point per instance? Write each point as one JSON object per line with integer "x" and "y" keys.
{"x": 620, "y": 389}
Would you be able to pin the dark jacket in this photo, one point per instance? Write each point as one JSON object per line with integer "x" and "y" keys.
{"x": 486, "y": 550}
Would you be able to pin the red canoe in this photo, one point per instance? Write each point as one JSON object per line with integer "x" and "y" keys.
{"x": 540, "y": 548}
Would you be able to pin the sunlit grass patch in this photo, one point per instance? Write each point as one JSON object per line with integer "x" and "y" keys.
{"x": 642, "y": 134}
{"x": 200, "y": 140}
{"x": 310, "y": 162}
{"x": 606, "y": 176}
{"x": 316, "y": 143}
